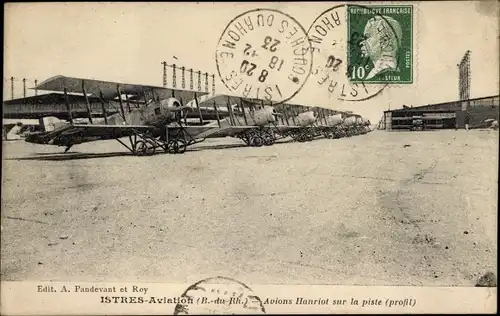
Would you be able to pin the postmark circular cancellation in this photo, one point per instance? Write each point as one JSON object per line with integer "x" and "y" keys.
{"x": 264, "y": 54}
{"x": 219, "y": 295}
{"x": 359, "y": 50}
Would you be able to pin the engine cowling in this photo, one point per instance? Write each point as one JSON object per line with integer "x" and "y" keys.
{"x": 169, "y": 104}
{"x": 334, "y": 120}
{"x": 265, "y": 116}
{"x": 351, "y": 120}
{"x": 306, "y": 118}
{"x": 258, "y": 117}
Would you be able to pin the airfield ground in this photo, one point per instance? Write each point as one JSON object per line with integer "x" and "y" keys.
{"x": 366, "y": 210}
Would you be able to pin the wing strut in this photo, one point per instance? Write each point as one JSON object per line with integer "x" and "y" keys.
{"x": 103, "y": 108}
{"x": 243, "y": 111}
{"x": 87, "y": 103}
{"x": 121, "y": 102}
{"x": 217, "y": 114}
{"x": 285, "y": 111}
{"x": 145, "y": 98}
{"x": 198, "y": 107}
{"x": 293, "y": 116}
{"x": 68, "y": 106}
{"x": 183, "y": 112}
{"x": 128, "y": 103}
{"x": 231, "y": 114}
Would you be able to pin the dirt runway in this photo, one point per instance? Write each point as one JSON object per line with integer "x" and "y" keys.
{"x": 365, "y": 210}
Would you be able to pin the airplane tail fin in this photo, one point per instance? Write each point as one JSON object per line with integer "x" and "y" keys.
{"x": 45, "y": 137}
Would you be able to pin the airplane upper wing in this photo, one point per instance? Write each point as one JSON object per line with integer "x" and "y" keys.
{"x": 220, "y": 100}
{"x": 293, "y": 107}
{"x": 259, "y": 102}
{"x": 81, "y": 133}
{"x": 49, "y": 98}
{"x": 109, "y": 89}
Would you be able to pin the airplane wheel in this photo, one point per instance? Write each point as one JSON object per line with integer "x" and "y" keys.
{"x": 140, "y": 148}
{"x": 150, "y": 151}
{"x": 176, "y": 146}
{"x": 256, "y": 141}
{"x": 181, "y": 145}
{"x": 268, "y": 140}
{"x": 171, "y": 146}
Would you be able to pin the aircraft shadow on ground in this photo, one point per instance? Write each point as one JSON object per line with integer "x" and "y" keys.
{"x": 70, "y": 156}
{"x": 80, "y": 155}
{"x": 232, "y": 146}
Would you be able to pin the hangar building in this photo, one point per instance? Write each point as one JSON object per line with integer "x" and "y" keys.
{"x": 447, "y": 115}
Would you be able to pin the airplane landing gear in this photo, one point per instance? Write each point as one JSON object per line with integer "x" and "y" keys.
{"x": 268, "y": 138}
{"x": 143, "y": 148}
{"x": 258, "y": 137}
{"x": 143, "y": 144}
{"x": 176, "y": 146}
{"x": 256, "y": 141}
{"x": 304, "y": 136}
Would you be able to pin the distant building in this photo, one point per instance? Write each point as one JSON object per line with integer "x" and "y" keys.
{"x": 447, "y": 115}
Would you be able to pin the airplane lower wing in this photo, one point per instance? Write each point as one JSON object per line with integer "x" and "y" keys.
{"x": 71, "y": 134}
{"x": 284, "y": 128}
{"x": 201, "y": 132}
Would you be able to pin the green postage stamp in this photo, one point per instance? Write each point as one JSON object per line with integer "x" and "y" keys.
{"x": 380, "y": 46}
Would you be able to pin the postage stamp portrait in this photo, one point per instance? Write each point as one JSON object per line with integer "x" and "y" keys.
{"x": 381, "y": 43}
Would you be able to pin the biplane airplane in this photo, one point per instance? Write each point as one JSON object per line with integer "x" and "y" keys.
{"x": 158, "y": 121}
{"x": 317, "y": 122}
{"x": 167, "y": 119}
{"x": 296, "y": 121}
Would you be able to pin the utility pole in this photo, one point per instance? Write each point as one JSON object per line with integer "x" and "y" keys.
{"x": 206, "y": 82}
{"x": 191, "y": 79}
{"x": 24, "y": 87}
{"x": 12, "y": 88}
{"x": 199, "y": 80}
{"x": 174, "y": 78}
{"x": 36, "y": 87}
{"x": 183, "y": 80}
{"x": 213, "y": 84}
{"x": 164, "y": 63}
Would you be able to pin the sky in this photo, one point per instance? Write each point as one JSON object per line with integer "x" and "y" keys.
{"x": 126, "y": 42}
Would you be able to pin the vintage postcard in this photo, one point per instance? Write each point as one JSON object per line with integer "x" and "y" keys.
{"x": 250, "y": 158}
